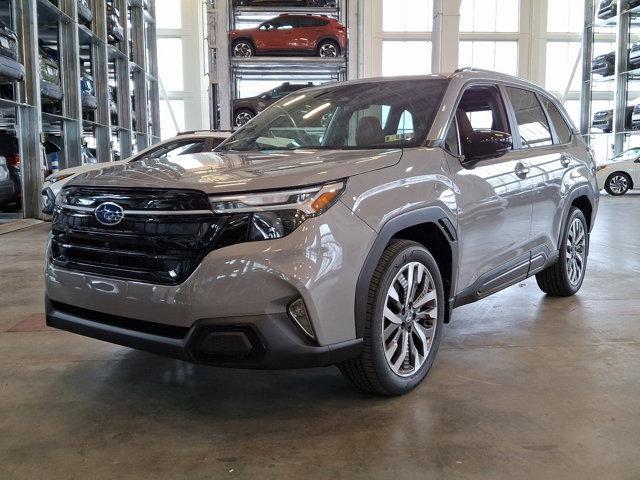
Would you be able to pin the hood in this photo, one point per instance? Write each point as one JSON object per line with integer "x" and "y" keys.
{"x": 83, "y": 168}
{"x": 240, "y": 172}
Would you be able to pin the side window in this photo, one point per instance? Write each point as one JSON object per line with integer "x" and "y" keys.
{"x": 285, "y": 24}
{"x": 480, "y": 108}
{"x": 562, "y": 129}
{"x": 451, "y": 143}
{"x": 532, "y": 123}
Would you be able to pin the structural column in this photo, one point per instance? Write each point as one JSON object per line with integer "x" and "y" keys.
{"x": 446, "y": 26}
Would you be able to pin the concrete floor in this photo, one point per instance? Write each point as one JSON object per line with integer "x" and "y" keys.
{"x": 523, "y": 387}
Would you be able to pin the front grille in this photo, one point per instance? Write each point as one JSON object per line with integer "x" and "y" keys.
{"x": 154, "y": 245}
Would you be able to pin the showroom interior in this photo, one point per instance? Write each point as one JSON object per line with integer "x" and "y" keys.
{"x": 158, "y": 221}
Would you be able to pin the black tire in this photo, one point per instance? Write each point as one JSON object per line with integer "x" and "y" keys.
{"x": 248, "y": 48}
{"x": 554, "y": 280}
{"x": 612, "y": 189}
{"x": 370, "y": 371}
{"x": 328, "y": 45}
{"x": 242, "y": 112}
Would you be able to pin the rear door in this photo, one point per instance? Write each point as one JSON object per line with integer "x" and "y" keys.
{"x": 494, "y": 211}
{"x": 549, "y": 153}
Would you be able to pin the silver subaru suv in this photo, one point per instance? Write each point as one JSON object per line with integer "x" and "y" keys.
{"x": 340, "y": 226}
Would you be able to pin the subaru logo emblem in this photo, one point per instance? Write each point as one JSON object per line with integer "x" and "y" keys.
{"x": 109, "y": 213}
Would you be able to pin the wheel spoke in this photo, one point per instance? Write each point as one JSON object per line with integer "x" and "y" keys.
{"x": 392, "y": 317}
{"x": 425, "y": 298}
{"x": 390, "y": 330}
{"x": 402, "y": 350}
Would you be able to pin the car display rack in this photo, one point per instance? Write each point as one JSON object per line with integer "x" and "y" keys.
{"x": 227, "y": 74}
{"x": 84, "y": 125}
{"x": 619, "y": 87}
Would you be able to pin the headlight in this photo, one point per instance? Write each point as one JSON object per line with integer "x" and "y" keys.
{"x": 600, "y": 167}
{"x": 277, "y": 214}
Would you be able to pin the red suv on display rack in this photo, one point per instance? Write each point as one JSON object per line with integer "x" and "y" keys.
{"x": 291, "y": 34}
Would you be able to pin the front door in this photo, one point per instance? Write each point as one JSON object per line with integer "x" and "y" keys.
{"x": 494, "y": 208}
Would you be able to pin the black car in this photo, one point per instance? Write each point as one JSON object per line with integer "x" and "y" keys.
{"x": 10, "y": 69}
{"x": 608, "y": 9}
{"x": 285, "y": 3}
{"x": 10, "y": 177}
{"x": 115, "y": 32}
{"x": 604, "y": 65}
{"x": 50, "y": 87}
{"x": 604, "y": 120}
{"x": 245, "y": 109}
{"x": 85, "y": 15}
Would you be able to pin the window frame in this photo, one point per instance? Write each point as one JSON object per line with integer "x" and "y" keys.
{"x": 514, "y": 120}
{"x": 470, "y": 84}
{"x": 552, "y": 124}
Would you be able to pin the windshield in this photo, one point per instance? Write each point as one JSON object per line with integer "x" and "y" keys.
{"x": 626, "y": 156}
{"x": 371, "y": 115}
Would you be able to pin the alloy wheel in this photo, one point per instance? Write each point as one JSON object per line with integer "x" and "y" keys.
{"x": 576, "y": 251}
{"x": 410, "y": 318}
{"x": 242, "y": 49}
{"x": 619, "y": 184}
{"x": 328, "y": 50}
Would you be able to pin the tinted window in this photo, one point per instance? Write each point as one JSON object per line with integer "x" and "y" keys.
{"x": 483, "y": 109}
{"x": 562, "y": 129}
{"x": 374, "y": 114}
{"x": 532, "y": 122}
{"x": 311, "y": 22}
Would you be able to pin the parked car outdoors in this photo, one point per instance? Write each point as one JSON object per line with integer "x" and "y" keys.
{"x": 285, "y": 3}
{"x": 621, "y": 173}
{"x": 603, "y": 120}
{"x": 301, "y": 243}
{"x": 244, "y": 109}
{"x": 50, "y": 88}
{"x": 182, "y": 144}
{"x": 11, "y": 70}
{"x": 115, "y": 32}
{"x": 85, "y": 15}
{"x": 291, "y": 34}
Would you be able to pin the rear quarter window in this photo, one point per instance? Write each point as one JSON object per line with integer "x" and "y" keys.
{"x": 562, "y": 129}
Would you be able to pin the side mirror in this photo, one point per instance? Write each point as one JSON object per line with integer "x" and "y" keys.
{"x": 485, "y": 144}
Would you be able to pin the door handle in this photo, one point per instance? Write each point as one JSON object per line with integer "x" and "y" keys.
{"x": 522, "y": 170}
{"x": 565, "y": 160}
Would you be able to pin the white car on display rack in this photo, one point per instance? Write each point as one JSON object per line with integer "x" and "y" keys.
{"x": 621, "y": 173}
{"x": 182, "y": 144}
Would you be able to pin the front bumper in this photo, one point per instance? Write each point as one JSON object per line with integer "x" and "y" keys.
{"x": 319, "y": 262}
{"x": 264, "y": 341}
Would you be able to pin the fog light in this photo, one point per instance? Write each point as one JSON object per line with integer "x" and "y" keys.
{"x": 298, "y": 313}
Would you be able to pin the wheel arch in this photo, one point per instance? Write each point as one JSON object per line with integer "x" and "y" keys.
{"x": 585, "y": 200}
{"x": 430, "y": 227}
